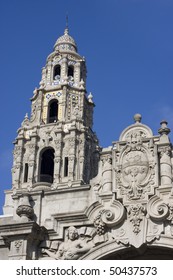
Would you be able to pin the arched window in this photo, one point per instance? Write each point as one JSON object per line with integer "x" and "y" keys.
{"x": 47, "y": 166}
{"x": 53, "y": 111}
{"x": 71, "y": 71}
{"x": 57, "y": 72}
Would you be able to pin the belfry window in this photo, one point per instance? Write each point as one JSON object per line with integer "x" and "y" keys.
{"x": 57, "y": 72}
{"x": 66, "y": 167}
{"x": 53, "y": 111}
{"x": 71, "y": 71}
{"x": 47, "y": 166}
{"x": 26, "y": 173}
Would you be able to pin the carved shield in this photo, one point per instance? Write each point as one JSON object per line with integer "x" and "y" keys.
{"x": 135, "y": 168}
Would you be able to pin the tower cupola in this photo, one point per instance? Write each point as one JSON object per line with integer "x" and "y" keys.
{"x": 65, "y": 43}
{"x": 64, "y": 66}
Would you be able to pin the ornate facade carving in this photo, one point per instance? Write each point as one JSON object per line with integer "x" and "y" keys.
{"x": 135, "y": 165}
{"x": 72, "y": 199}
{"x": 72, "y": 248}
{"x": 136, "y": 213}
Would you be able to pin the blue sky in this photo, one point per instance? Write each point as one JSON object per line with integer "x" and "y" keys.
{"x": 128, "y": 45}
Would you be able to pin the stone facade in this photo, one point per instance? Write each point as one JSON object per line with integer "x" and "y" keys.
{"x": 72, "y": 199}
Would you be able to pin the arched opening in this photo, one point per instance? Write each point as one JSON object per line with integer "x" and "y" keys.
{"x": 71, "y": 71}
{"x": 144, "y": 253}
{"x": 57, "y": 72}
{"x": 53, "y": 111}
{"x": 113, "y": 251}
{"x": 47, "y": 166}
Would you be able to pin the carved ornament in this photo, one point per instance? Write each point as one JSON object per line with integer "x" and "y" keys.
{"x": 25, "y": 210}
{"x": 135, "y": 167}
{"x": 136, "y": 213}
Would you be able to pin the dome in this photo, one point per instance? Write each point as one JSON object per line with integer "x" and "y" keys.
{"x": 65, "y": 43}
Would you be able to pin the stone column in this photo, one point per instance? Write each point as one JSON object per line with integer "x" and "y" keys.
{"x": 64, "y": 69}
{"x": 72, "y": 157}
{"x": 17, "y": 163}
{"x": 49, "y": 68}
{"x": 77, "y": 73}
{"x": 165, "y": 165}
{"x": 63, "y": 103}
{"x": 164, "y": 149}
{"x": 57, "y": 161}
{"x": 32, "y": 159}
{"x": 81, "y": 157}
{"x": 107, "y": 174}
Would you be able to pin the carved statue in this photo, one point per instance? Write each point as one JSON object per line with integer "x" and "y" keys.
{"x": 72, "y": 249}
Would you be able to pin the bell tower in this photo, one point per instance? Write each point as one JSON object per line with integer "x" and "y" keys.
{"x": 56, "y": 147}
{"x": 71, "y": 199}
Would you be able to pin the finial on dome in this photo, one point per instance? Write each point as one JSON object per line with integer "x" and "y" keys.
{"x": 67, "y": 20}
{"x": 66, "y": 27}
{"x": 137, "y": 118}
{"x": 65, "y": 43}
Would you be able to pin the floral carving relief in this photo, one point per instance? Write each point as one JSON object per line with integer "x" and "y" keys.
{"x": 136, "y": 213}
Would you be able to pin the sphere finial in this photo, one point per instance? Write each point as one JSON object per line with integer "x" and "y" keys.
{"x": 137, "y": 118}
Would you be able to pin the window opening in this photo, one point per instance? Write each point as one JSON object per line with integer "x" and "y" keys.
{"x": 66, "y": 167}
{"x": 70, "y": 71}
{"x": 26, "y": 173}
{"x": 57, "y": 72}
{"x": 47, "y": 166}
{"x": 53, "y": 111}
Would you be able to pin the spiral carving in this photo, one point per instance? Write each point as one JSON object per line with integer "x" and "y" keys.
{"x": 109, "y": 217}
{"x": 157, "y": 209}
